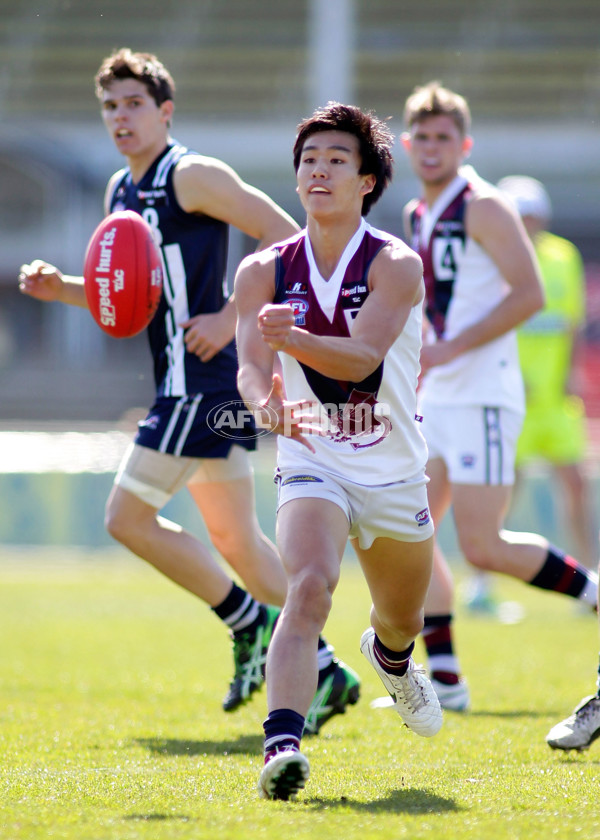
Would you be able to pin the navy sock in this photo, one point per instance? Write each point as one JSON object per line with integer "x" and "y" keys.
{"x": 239, "y": 610}
{"x": 283, "y": 728}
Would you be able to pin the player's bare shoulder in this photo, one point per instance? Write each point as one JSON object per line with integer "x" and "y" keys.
{"x": 113, "y": 182}
{"x": 200, "y": 171}
{"x": 201, "y": 183}
{"x": 400, "y": 266}
{"x": 259, "y": 262}
{"x": 404, "y": 257}
{"x": 487, "y": 209}
{"x": 196, "y": 165}
{"x": 256, "y": 274}
{"x": 407, "y": 211}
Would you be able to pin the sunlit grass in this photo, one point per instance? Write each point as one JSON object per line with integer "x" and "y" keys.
{"x": 111, "y": 680}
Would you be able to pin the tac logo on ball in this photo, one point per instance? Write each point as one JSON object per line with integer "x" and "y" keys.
{"x": 237, "y": 420}
{"x": 123, "y": 274}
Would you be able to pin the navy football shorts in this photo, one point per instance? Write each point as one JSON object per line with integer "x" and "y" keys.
{"x": 198, "y": 426}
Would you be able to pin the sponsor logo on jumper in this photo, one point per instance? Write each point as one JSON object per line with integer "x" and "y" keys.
{"x": 147, "y": 195}
{"x": 297, "y": 288}
{"x": 448, "y": 227}
{"x": 358, "y": 289}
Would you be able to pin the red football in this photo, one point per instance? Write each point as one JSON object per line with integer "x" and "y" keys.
{"x": 122, "y": 274}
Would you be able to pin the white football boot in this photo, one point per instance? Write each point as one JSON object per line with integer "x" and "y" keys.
{"x": 284, "y": 774}
{"x": 578, "y": 731}
{"x": 412, "y": 693}
{"x": 455, "y": 698}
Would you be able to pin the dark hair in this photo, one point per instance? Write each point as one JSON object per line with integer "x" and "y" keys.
{"x": 144, "y": 67}
{"x": 374, "y": 137}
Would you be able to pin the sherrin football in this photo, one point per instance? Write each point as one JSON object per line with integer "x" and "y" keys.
{"x": 122, "y": 274}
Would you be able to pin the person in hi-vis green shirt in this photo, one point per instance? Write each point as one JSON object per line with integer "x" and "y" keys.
{"x": 555, "y": 424}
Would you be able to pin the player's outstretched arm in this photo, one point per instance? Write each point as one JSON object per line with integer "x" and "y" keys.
{"x": 207, "y": 185}
{"x": 44, "y": 281}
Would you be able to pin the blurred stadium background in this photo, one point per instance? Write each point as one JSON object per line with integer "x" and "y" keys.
{"x": 246, "y": 72}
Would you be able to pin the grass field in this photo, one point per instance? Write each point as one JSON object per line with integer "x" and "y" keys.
{"x": 110, "y": 686}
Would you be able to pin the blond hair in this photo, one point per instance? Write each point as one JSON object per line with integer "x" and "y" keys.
{"x": 433, "y": 100}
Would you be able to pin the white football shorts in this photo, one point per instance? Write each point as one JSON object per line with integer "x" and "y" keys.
{"x": 155, "y": 477}
{"x": 399, "y": 511}
{"x": 477, "y": 443}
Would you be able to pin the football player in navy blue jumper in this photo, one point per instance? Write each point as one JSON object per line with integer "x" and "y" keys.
{"x": 189, "y": 200}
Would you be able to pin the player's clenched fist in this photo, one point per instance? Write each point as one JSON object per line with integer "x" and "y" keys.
{"x": 275, "y": 322}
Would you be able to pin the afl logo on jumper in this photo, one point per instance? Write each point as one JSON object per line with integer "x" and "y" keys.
{"x": 300, "y": 308}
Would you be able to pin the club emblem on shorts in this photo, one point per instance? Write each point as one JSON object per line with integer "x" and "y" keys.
{"x": 422, "y": 517}
{"x": 151, "y": 422}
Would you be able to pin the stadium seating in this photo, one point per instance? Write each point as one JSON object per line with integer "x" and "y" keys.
{"x": 248, "y": 58}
